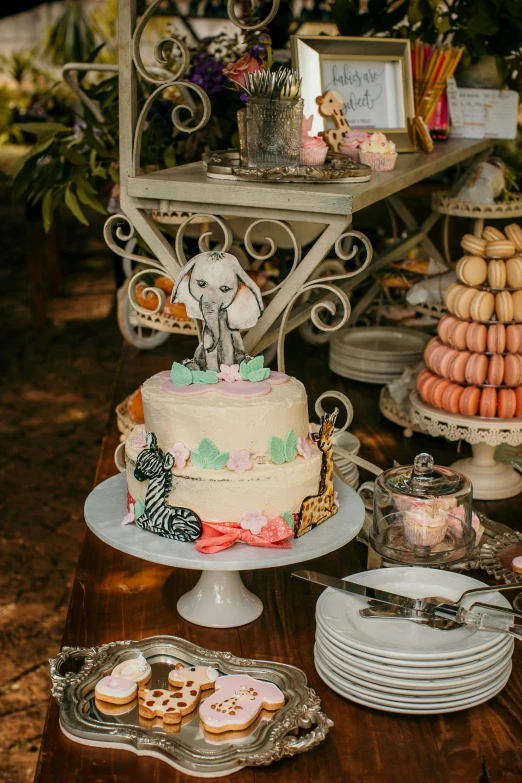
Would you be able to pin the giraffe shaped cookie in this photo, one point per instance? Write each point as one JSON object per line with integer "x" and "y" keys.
{"x": 318, "y": 508}
{"x": 237, "y": 702}
{"x": 186, "y": 684}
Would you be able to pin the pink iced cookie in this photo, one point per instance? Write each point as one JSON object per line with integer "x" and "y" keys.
{"x": 115, "y": 690}
{"x": 516, "y": 564}
{"x": 237, "y": 702}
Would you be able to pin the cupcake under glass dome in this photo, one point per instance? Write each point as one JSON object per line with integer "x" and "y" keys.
{"x": 422, "y": 514}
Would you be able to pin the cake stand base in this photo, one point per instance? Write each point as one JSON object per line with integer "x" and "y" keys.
{"x": 491, "y": 479}
{"x": 220, "y": 600}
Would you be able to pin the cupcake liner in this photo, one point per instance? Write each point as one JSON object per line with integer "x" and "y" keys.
{"x": 312, "y": 156}
{"x": 350, "y": 152}
{"x": 379, "y": 161}
{"x": 424, "y": 535}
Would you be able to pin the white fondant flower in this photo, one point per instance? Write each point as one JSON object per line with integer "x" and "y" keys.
{"x": 139, "y": 440}
{"x": 239, "y": 460}
{"x": 229, "y": 374}
{"x": 128, "y": 519}
{"x": 336, "y": 498}
{"x": 304, "y": 448}
{"x": 180, "y": 453}
{"x": 254, "y": 521}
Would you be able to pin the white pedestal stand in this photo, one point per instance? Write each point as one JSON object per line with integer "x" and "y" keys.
{"x": 220, "y": 599}
{"x": 491, "y": 479}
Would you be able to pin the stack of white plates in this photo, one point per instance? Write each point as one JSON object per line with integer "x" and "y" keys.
{"x": 375, "y": 354}
{"x": 399, "y": 666}
{"x": 349, "y": 469}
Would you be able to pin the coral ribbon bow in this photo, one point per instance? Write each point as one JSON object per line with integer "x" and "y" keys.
{"x": 217, "y": 536}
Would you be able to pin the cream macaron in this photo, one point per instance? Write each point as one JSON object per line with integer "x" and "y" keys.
{"x": 517, "y": 305}
{"x": 482, "y": 306}
{"x": 451, "y": 294}
{"x": 514, "y": 233}
{"x": 491, "y": 233}
{"x": 514, "y": 272}
{"x": 463, "y": 301}
{"x": 504, "y": 306}
{"x": 472, "y": 270}
{"x": 500, "y": 248}
{"x": 497, "y": 273}
{"x": 473, "y": 245}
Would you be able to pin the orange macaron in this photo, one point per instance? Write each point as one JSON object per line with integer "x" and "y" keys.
{"x": 513, "y": 338}
{"x": 512, "y": 369}
{"x": 446, "y": 362}
{"x": 457, "y": 370}
{"x": 488, "y": 402}
{"x": 445, "y": 325}
{"x": 451, "y": 397}
{"x": 496, "y": 369}
{"x": 457, "y": 335}
{"x": 425, "y": 387}
{"x": 518, "y": 395}
{"x": 496, "y": 341}
{"x": 476, "y": 337}
{"x": 437, "y": 390}
{"x": 469, "y": 401}
{"x": 476, "y": 369}
{"x": 507, "y": 403}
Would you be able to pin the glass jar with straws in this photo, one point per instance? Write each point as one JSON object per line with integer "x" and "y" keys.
{"x": 274, "y": 116}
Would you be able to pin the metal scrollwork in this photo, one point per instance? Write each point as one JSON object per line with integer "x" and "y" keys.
{"x": 159, "y": 54}
{"x": 157, "y": 292}
{"x": 231, "y": 12}
{"x": 264, "y": 257}
{"x": 113, "y": 229}
{"x": 343, "y": 399}
{"x": 349, "y": 256}
{"x": 202, "y": 242}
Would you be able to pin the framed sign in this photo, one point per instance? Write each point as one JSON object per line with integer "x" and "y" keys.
{"x": 373, "y": 76}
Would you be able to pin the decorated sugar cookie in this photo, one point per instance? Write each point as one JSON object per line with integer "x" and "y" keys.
{"x": 169, "y": 705}
{"x": 202, "y": 677}
{"x": 115, "y": 690}
{"x": 135, "y": 669}
{"x": 114, "y": 709}
{"x": 237, "y": 702}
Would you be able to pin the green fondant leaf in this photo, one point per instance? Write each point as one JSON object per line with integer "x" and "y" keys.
{"x": 259, "y": 375}
{"x": 243, "y": 371}
{"x": 218, "y": 463}
{"x": 208, "y": 451}
{"x": 290, "y": 446}
{"x": 197, "y": 460}
{"x": 289, "y": 519}
{"x": 276, "y": 448}
{"x": 255, "y": 364}
{"x": 139, "y": 508}
{"x": 204, "y": 376}
{"x": 180, "y": 375}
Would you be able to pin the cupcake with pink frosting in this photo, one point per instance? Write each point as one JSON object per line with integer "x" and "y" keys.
{"x": 378, "y": 153}
{"x": 351, "y": 143}
{"x": 313, "y": 148}
{"x": 425, "y": 526}
{"x": 456, "y": 520}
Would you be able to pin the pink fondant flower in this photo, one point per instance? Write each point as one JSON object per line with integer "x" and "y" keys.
{"x": 180, "y": 453}
{"x": 336, "y": 498}
{"x": 239, "y": 460}
{"x": 139, "y": 440}
{"x": 254, "y": 521}
{"x": 237, "y": 71}
{"x": 304, "y": 448}
{"x": 229, "y": 374}
{"x": 128, "y": 519}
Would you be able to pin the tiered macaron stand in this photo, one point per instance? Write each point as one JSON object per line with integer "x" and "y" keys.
{"x": 491, "y": 479}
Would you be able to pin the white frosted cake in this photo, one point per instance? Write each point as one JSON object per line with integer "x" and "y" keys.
{"x": 226, "y": 450}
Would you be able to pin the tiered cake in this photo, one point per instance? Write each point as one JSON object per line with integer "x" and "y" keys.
{"x": 227, "y": 441}
{"x": 474, "y": 365}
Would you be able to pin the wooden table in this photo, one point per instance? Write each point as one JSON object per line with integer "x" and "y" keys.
{"x": 116, "y": 596}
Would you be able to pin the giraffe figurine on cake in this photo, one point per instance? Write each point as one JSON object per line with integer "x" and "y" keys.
{"x": 318, "y": 508}
{"x": 331, "y": 104}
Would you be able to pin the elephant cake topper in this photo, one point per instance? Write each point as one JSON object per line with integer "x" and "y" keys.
{"x": 215, "y": 288}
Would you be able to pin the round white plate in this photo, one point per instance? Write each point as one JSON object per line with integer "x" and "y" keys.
{"x": 380, "y": 341}
{"x": 406, "y": 640}
{"x": 420, "y": 670}
{"x": 347, "y": 441}
{"x": 373, "y": 365}
{"x": 409, "y": 688}
{"x": 364, "y": 378}
{"x": 342, "y": 690}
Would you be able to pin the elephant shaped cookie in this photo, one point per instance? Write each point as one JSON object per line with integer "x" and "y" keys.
{"x": 237, "y": 702}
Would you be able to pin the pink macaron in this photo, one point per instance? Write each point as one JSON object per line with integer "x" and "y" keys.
{"x": 518, "y": 395}
{"x": 507, "y": 403}
{"x": 496, "y": 369}
{"x": 513, "y": 338}
{"x": 476, "y": 337}
{"x": 457, "y": 335}
{"x": 451, "y": 397}
{"x": 469, "y": 401}
{"x": 458, "y": 368}
{"x": 496, "y": 342}
{"x": 432, "y": 346}
{"x": 446, "y": 362}
{"x": 437, "y": 358}
{"x": 476, "y": 369}
{"x": 445, "y": 325}
{"x": 488, "y": 402}
{"x": 512, "y": 370}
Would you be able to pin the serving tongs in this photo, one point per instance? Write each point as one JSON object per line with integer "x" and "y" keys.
{"x": 430, "y": 608}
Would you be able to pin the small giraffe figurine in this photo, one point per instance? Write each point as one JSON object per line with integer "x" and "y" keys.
{"x": 318, "y": 508}
{"x": 331, "y": 104}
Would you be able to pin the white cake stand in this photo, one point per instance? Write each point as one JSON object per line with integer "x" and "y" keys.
{"x": 220, "y": 599}
{"x": 491, "y": 479}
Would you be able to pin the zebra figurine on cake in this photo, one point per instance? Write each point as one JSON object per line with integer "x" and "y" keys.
{"x": 180, "y": 524}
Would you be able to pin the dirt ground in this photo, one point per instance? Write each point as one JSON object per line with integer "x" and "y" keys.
{"x": 55, "y": 392}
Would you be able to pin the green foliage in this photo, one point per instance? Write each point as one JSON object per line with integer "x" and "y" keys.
{"x": 254, "y": 370}
{"x": 70, "y": 38}
{"x": 283, "y": 450}
{"x": 208, "y": 456}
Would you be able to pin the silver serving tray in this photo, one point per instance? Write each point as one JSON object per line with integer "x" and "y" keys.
{"x": 226, "y": 164}
{"x": 295, "y": 728}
